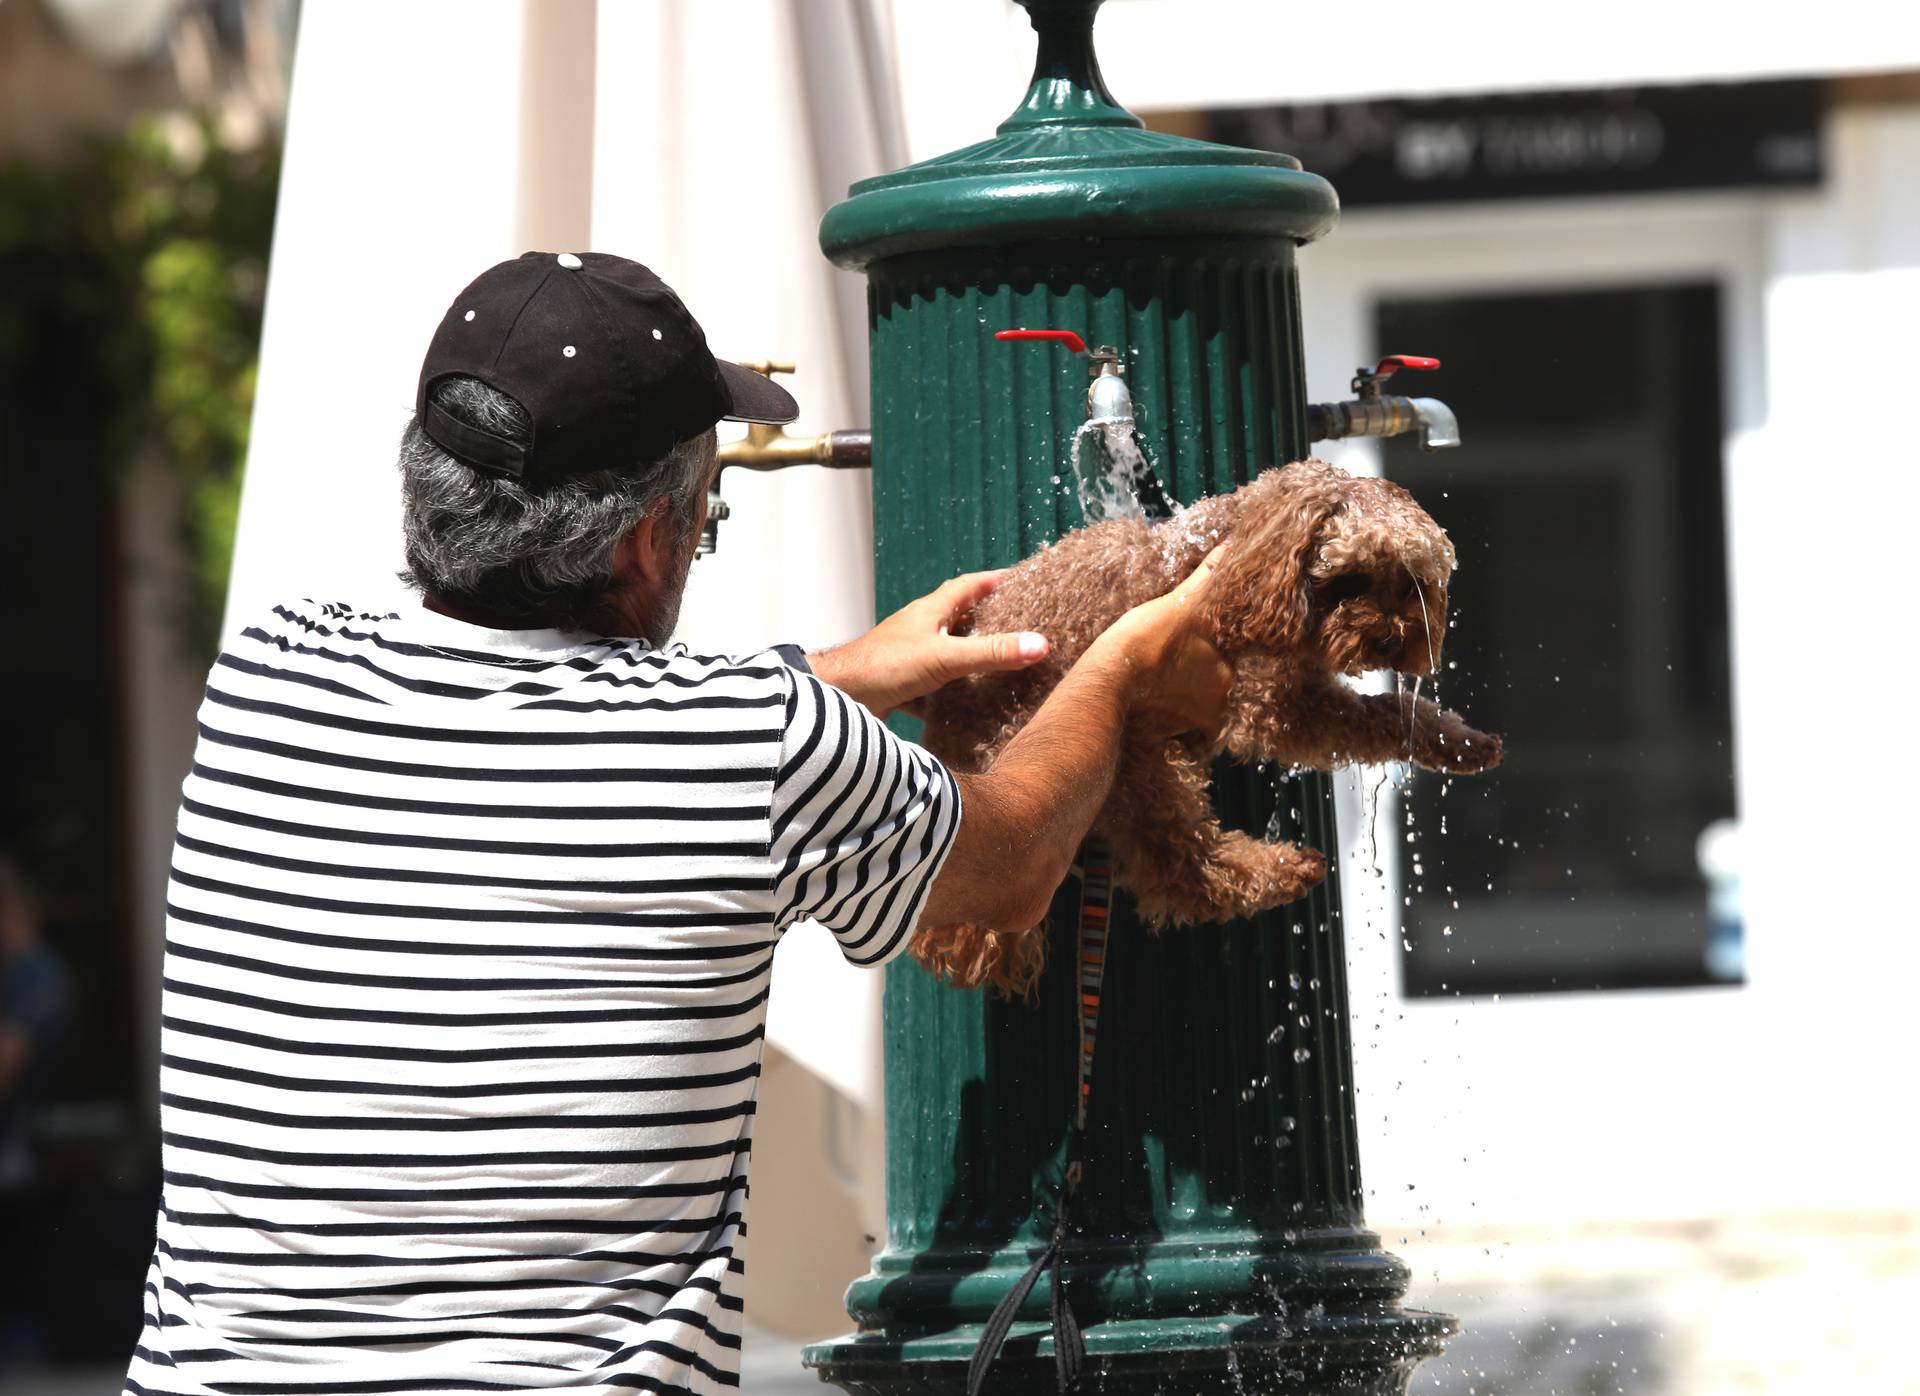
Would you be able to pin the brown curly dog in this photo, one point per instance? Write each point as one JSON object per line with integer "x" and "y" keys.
{"x": 1328, "y": 574}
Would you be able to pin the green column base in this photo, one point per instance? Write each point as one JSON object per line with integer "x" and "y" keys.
{"x": 1318, "y": 1313}
{"x": 1367, "y": 1349}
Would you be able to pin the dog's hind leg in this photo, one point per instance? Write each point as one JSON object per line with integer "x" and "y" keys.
{"x": 1180, "y": 864}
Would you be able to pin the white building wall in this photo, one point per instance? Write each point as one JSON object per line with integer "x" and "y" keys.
{"x": 1688, "y": 1103}
{"x": 1185, "y": 53}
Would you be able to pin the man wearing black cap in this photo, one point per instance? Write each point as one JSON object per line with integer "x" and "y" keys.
{"x": 473, "y": 906}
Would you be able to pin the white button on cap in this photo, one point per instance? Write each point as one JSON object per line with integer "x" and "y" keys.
{"x": 469, "y": 314}
{"x": 568, "y": 351}
{"x": 569, "y": 261}
{"x": 656, "y": 334}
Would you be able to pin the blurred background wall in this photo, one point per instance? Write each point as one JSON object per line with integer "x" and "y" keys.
{"x": 1628, "y": 1017}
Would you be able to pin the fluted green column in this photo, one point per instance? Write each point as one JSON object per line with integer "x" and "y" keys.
{"x": 1220, "y": 1234}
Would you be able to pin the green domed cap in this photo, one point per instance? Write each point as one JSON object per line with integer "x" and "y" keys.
{"x": 1071, "y": 162}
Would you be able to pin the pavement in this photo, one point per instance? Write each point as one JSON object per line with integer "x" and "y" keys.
{"x": 1771, "y": 1306}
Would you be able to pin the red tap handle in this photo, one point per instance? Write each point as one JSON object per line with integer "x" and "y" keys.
{"x": 1066, "y": 337}
{"x": 1393, "y": 363}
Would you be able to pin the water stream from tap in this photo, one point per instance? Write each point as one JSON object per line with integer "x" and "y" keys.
{"x": 1111, "y": 473}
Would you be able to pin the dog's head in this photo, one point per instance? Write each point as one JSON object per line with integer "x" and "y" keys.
{"x": 1343, "y": 567}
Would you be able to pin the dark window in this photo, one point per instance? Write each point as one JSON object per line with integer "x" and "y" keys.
{"x": 1590, "y": 630}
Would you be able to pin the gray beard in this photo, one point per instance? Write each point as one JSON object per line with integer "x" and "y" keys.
{"x": 660, "y": 617}
{"x": 660, "y": 614}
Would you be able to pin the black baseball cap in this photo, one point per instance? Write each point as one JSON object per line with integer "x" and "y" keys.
{"x": 601, "y": 353}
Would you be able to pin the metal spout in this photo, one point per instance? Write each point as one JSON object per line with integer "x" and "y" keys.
{"x": 1438, "y": 427}
{"x": 1108, "y": 398}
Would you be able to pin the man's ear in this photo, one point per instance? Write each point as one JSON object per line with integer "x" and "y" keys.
{"x": 651, "y": 549}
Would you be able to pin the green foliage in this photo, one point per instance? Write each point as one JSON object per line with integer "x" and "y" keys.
{"x": 144, "y": 260}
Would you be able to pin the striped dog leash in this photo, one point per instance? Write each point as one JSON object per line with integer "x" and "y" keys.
{"x": 1069, "y": 1348}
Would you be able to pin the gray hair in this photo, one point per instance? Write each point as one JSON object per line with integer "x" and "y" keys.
{"x": 538, "y": 553}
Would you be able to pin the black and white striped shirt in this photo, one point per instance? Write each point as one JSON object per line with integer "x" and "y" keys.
{"x": 468, "y": 943}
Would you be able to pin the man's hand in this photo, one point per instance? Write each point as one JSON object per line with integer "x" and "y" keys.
{"x": 913, "y": 652}
{"x": 1177, "y": 681}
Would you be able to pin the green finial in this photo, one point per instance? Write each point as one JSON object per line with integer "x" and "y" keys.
{"x": 1067, "y": 88}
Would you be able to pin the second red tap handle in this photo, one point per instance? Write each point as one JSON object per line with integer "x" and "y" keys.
{"x": 1067, "y": 337}
{"x": 1394, "y": 362}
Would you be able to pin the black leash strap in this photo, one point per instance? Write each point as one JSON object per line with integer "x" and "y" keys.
{"x": 1069, "y": 1347}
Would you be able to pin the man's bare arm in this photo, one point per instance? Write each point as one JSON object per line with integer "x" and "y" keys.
{"x": 1022, "y": 820}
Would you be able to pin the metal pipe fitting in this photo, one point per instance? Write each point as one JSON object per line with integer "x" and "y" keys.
{"x": 1373, "y": 412}
{"x": 1387, "y": 415}
{"x": 770, "y": 448}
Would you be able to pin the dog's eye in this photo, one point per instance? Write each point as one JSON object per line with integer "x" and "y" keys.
{"x": 1345, "y": 588}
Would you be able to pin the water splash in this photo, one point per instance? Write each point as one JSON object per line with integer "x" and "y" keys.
{"x": 1373, "y": 780}
{"x": 1112, "y": 476}
{"x": 1433, "y": 655}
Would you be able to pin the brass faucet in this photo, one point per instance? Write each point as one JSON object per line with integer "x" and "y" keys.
{"x": 770, "y": 448}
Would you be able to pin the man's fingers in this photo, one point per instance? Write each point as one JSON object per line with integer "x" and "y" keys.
{"x": 957, "y": 598}
{"x": 1197, "y": 579}
{"x": 987, "y": 654}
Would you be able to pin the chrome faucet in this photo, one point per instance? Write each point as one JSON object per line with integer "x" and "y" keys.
{"x": 1375, "y": 412}
{"x": 1108, "y": 397}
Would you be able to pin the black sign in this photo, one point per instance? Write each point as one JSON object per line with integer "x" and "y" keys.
{"x": 1542, "y": 144}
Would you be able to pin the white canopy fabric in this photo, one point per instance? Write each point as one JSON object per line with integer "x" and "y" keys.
{"x": 427, "y": 141}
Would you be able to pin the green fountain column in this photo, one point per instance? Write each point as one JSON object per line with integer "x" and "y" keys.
{"x": 1219, "y": 1233}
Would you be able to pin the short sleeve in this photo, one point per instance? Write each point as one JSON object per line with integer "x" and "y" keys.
{"x": 862, "y": 821}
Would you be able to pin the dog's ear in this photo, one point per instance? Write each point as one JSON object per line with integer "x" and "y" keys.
{"x": 1260, "y": 597}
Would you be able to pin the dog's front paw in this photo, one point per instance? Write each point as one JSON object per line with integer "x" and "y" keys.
{"x": 1459, "y": 750}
